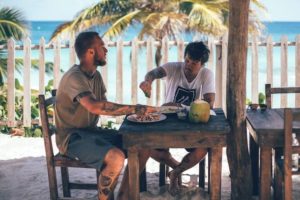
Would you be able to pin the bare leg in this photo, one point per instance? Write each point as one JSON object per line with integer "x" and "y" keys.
{"x": 113, "y": 164}
{"x": 164, "y": 156}
{"x": 190, "y": 160}
{"x": 123, "y": 192}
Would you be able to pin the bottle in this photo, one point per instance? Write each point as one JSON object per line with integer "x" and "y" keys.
{"x": 295, "y": 156}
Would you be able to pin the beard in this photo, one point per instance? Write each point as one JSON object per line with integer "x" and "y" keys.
{"x": 99, "y": 61}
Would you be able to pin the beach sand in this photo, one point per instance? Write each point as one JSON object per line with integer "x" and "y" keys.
{"x": 23, "y": 175}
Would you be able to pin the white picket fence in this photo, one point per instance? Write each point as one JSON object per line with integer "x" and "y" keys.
{"x": 217, "y": 62}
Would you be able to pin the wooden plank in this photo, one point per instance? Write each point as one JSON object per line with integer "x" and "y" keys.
{"x": 270, "y": 63}
{"x": 104, "y": 69}
{"x": 42, "y": 66}
{"x": 254, "y": 71}
{"x": 297, "y": 70}
{"x": 133, "y": 170}
{"x": 285, "y": 90}
{"x": 72, "y": 52}
{"x": 150, "y": 64}
{"x": 211, "y": 45}
{"x": 218, "y": 77}
{"x": 287, "y": 165}
{"x": 180, "y": 50}
{"x": 270, "y": 60}
{"x": 134, "y": 70}
{"x": 284, "y": 68}
{"x": 119, "y": 72}
{"x": 27, "y": 91}
{"x": 265, "y": 173}
{"x": 224, "y": 70}
{"x": 11, "y": 83}
{"x": 215, "y": 173}
{"x": 56, "y": 70}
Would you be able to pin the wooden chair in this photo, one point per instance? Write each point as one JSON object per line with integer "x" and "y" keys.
{"x": 285, "y": 169}
{"x": 61, "y": 161}
{"x": 278, "y": 177}
{"x": 278, "y": 90}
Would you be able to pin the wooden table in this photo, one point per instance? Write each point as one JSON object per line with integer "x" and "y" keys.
{"x": 175, "y": 133}
{"x": 266, "y": 129}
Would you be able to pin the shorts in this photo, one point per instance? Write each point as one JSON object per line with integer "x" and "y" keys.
{"x": 91, "y": 145}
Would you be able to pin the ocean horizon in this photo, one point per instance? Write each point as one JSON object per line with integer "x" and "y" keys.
{"x": 45, "y": 29}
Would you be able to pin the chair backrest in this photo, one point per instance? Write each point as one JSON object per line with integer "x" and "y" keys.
{"x": 278, "y": 90}
{"x": 47, "y": 130}
{"x": 289, "y": 118}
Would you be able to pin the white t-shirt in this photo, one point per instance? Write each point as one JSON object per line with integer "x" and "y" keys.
{"x": 179, "y": 90}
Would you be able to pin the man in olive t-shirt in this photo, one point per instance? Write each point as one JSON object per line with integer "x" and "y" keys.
{"x": 80, "y": 100}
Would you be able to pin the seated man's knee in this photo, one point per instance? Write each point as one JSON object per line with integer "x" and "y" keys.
{"x": 115, "y": 157}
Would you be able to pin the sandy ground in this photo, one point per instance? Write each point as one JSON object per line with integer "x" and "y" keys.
{"x": 23, "y": 174}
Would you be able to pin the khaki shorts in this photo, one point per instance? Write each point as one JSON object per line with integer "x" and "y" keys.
{"x": 91, "y": 145}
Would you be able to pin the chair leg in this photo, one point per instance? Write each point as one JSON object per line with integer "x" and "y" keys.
{"x": 202, "y": 173}
{"x": 143, "y": 181}
{"x": 208, "y": 171}
{"x": 278, "y": 176}
{"x": 52, "y": 182}
{"x": 162, "y": 174}
{"x": 65, "y": 181}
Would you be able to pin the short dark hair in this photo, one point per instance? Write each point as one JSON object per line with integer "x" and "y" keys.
{"x": 84, "y": 41}
{"x": 197, "y": 51}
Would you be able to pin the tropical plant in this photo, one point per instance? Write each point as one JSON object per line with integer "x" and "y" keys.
{"x": 12, "y": 25}
{"x": 158, "y": 18}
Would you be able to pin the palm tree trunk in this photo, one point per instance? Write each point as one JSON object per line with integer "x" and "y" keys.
{"x": 237, "y": 149}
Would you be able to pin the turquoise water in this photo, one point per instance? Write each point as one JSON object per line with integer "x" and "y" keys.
{"x": 275, "y": 29}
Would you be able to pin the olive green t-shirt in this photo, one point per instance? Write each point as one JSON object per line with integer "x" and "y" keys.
{"x": 69, "y": 113}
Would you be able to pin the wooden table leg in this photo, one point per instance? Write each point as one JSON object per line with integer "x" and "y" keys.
{"x": 254, "y": 165}
{"x": 133, "y": 176}
{"x": 215, "y": 173}
{"x": 265, "y": 173}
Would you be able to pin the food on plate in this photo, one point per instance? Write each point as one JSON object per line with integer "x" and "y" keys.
{"x": 199, "y": 111}
{"x": 148, "y": 117}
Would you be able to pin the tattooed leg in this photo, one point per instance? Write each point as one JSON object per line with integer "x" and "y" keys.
{"x": 123, "y": 192}
{"x": 113, "y": 164}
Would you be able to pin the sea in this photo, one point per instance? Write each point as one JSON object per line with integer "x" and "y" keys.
{"x": 277, "y": 30}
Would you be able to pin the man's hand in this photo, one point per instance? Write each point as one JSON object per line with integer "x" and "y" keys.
{"x": 143, "y": 109}
{"x": 146, "y": 87}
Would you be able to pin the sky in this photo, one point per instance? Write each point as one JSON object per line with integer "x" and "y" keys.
{"x": 56, "y": 10}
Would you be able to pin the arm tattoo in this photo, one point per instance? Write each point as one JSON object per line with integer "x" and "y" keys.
{"x": 155, "y": 74}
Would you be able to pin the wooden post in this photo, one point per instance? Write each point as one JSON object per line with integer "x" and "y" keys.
{"x": 224, "y": 69}
{"x": 104, "y": 71}
{"x": 270, "y": 62}
{"x": 237, "y": 148}
{"x": 56, "y": 69}
{"x": 254, "y": 71}
{"x": 180, "y": 50}
{"x": 150, "y": 64}
{"x": 11, "y": 83}
{"x": 297, "y": 70}
{"x": 218, "y": 77}
{"x": 284, "y": 69}
{"x": 72, "y": 51}
{"x": 42, "y": 66}
{"x": 134, "y": 70}
{"x": 27, "y": 91}
{"x": 119, "y": 72}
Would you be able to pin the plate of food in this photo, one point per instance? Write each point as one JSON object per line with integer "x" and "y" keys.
{"x": 149, "y": 118}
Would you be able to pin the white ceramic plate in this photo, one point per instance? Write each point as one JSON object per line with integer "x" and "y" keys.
{"x": 133, "y": 118}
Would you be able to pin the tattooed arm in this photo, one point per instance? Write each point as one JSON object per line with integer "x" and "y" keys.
{"x": 210, "y": 98}
{"x": 110, "y": 108}
{"x": 156, "y": 73}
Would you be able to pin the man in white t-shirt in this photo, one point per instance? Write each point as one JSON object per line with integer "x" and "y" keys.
{"x": 185, "y": 82}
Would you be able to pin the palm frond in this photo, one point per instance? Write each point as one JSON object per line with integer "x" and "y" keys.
{"x": 12, "y": 24}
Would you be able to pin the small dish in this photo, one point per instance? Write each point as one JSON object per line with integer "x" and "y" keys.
{"x": 253, "y": 106}
{"x": 263, "y": 107}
